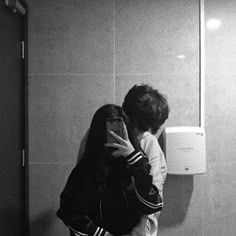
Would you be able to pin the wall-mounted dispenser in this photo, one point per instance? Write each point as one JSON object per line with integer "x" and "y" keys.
{"x": 185, "y": 149}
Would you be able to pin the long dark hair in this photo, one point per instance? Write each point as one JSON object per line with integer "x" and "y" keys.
{"x": 96, "y": 157}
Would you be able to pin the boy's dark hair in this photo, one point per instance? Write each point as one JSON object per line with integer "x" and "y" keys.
{"x": 146, "y": 108}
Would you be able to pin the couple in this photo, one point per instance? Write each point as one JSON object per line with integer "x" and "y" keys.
{"x": 116, "y": 188}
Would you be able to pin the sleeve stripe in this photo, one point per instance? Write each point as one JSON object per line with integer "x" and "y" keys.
{"x": 149, "y": 204}
{"x": 131, "y": 158}
{"x": 97, "y": 230}
{"x": 100, "y": 232}
{"x": 135, "y": 158}
{"x": 131, "y": 163}
{"x": 77, "y": 233}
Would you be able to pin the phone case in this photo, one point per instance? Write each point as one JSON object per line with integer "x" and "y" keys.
{"x": 114, "y": 124}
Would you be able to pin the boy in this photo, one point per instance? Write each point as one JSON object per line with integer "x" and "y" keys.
{"x": 147, "y": 110}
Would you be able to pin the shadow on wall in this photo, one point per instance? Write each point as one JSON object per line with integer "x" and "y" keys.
{"x": 177, "y": 193}
{"x": 42, "y": 225}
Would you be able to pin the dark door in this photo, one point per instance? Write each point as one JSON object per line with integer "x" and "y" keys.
{"x": 12, "y": 203}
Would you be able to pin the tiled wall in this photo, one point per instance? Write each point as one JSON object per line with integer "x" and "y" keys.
{"x": 220, "y": 189}
{"x": 85, "y": 53}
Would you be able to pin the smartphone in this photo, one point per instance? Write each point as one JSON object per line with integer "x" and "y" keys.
{"x": 116, "y": 125}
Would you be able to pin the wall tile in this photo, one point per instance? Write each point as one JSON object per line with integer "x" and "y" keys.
{"x": 181, "y": 92}
{"x": 71, "y": 36}
{"x": 220, "y": 198}
{"x": 60, "y": 112}
{"x": 156, "y": 36}
{"x": 221, "y": 42}
{"x": 155, "y": 42}
{"x": 221, "y": 117}
{"x": 45, "y": 186}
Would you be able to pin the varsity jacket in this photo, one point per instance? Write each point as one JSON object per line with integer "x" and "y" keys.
{"x": 94, "y": 208}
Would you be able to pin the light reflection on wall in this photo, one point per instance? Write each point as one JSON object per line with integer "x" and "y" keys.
{"x": 213, "y": 24}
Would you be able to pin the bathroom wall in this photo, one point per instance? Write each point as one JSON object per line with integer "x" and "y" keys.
{"x": 85, "y": 53}
{"x": 220, "y": 181}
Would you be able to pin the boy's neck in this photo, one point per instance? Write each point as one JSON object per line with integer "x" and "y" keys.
{"x": 138, "y": 133}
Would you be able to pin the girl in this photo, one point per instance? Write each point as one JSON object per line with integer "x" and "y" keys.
{"x": 109, "y": 190}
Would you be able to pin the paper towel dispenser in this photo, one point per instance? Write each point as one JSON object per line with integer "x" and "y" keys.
{"x": 185, "y": 149}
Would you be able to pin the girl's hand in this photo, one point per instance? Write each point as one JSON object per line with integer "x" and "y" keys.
{"x": 124, "y": 147}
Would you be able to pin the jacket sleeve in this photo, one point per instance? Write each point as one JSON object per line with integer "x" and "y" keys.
{"x": 71, "y": 211}
{"x": 157, "y": 161}
{"x": 147, "y": 195}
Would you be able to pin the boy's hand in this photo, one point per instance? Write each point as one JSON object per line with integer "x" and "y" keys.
{"x": 124, "y": 147}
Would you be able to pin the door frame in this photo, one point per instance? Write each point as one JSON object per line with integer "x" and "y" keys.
{"x": 21, "y": 7}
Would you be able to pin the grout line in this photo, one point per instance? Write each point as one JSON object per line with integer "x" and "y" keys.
{"x": 220, "y": 74}
{"x": 74, "y": 163}
{"x": 52, "y": 163}
{"x": 73, "y": 74}
{"x": 114, "y": 49}
{"x": 128, "y": 74}
{"x": 219, "y": 161}
{"x": 202, "y": 90}
{"x": 147, "y": 74}
{"x": 123, "y": 74}
{"x": 201, "y": 64}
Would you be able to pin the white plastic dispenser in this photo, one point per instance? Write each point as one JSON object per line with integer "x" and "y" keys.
{"x": 185, "y": 149}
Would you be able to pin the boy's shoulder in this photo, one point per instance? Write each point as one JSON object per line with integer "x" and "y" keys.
{"x": 148, "y": 137}
{"x": 149, "y": 143}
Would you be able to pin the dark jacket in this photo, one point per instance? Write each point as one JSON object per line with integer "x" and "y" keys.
{"x": 92, "y": 206}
